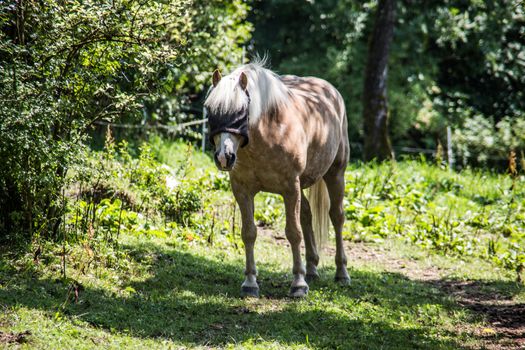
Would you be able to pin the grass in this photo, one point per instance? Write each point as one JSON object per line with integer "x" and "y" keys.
{"x": 178, "y": 290}
{"x": 470, "y": 213}
{"x": 160, "y": 295}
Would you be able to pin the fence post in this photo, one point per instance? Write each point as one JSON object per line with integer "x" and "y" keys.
{"x": 450, "y": 155}
{"x": 204, "y": 130}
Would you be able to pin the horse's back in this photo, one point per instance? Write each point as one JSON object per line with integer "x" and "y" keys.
{"x": 305, "y": 137}
{"x": 320, "y": 109}
{"x": 318, "y": 94}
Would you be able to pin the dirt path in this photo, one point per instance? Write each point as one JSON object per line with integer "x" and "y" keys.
{"x": 505, "y": 318}
{"x": 13, "y": 338}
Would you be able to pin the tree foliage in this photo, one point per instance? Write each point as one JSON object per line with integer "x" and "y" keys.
{"x": 67, "y": 64}
{"x": 322, "y": 38}
{"x": 450, "y": 60}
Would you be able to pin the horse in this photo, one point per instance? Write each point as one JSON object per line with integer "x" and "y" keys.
{"x": 283, "y": 134}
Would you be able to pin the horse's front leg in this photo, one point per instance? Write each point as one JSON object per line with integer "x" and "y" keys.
{"x": 292, "y": 202}
{"x": 249, "y": 287}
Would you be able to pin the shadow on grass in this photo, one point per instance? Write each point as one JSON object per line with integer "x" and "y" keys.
{"x": 195, "y": 300}
{"x": 493, "y": 300}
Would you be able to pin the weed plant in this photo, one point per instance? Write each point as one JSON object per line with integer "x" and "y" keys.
{"x": 470, "y": 213}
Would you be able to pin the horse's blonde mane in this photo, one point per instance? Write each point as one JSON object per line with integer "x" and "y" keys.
{"x": 265, "y": 88}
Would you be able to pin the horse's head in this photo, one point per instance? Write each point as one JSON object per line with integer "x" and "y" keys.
{"x": 228, "y": 106}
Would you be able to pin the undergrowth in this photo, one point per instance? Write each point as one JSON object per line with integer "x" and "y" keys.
{"x": 113, "y": 193}
{"x": 169, "y": 190}
{"x": 470, "y": 213}
{"x": 151, "y": 257}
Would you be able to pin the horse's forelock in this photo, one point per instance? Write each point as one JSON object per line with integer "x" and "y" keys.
{"x": 227, "y": 96}
{"x": 266, "y": 90}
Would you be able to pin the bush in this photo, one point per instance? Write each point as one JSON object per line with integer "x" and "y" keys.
{"x": 113, "y": 193}
{"x": 66, "y": 65}
{"x": 471, "y": 214}
{"x": 481, "y": 141}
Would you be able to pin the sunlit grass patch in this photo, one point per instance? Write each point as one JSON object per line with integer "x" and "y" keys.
{"x": 470, "y": 213}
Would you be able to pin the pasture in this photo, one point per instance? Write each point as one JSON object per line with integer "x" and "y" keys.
{"x": 392, "y": 130}
{"x": 162, "y": 285}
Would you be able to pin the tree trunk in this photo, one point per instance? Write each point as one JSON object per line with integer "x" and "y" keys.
{"x": 21, "y": 23}
{"x": 375, "y": 103}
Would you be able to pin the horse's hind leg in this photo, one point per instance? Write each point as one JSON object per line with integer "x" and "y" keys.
{"x": 335, "y": 183}
{"x": 292, "y": 202}
{"x": 249, "y": 287}
{"x": 312, "y": 258}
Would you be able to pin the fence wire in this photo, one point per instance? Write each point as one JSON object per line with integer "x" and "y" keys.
{"x": 357, "y": 147}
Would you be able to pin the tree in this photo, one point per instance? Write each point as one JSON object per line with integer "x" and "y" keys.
{"x": 375, "y": 101}
{"x": 67, "y": 64}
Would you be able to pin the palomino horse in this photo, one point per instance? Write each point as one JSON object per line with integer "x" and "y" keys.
{"x": 283, "y": 134}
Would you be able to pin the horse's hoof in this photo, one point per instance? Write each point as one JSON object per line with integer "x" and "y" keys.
{"x": 343, "y": 281}
{"x": 310, "y": 277}
{"x": 249, "y": 292}
{"x": 298, "y": 291}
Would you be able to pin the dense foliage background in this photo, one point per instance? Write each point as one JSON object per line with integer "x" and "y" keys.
{"x": 458, "y": 63}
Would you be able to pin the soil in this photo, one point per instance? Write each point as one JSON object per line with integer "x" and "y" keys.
{"x": 504, "y": 327}
{"x": 14, "y": 338}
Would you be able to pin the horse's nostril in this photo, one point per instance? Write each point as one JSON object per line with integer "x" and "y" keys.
{"x": 230, "y": 159}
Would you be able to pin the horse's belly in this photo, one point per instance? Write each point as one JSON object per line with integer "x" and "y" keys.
{"x": 271, "y": 181}
{"x": 319, "y": 160}
{"x": 278, "y": 174}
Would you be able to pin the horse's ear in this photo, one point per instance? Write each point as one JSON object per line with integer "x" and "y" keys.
{"x": 243, "y": 81}
{"x": 216, "y": 77}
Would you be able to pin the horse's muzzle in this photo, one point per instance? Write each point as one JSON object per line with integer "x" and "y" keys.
{"x": 226, "y": 161}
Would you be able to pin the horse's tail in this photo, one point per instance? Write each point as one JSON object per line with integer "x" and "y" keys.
{"x": 320, "y": 205}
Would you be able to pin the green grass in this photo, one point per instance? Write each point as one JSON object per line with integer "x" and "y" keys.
{"x": 159, "y": 294}
{"x": 176, "y": 290}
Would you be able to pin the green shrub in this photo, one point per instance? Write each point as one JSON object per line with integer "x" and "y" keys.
{"x": 481, "y": 141}
{"x": 66, "y": 65}
{"x": 466, "y": 214}
{"x": 117, "y": 193}
{"x": 271, "y": 211}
